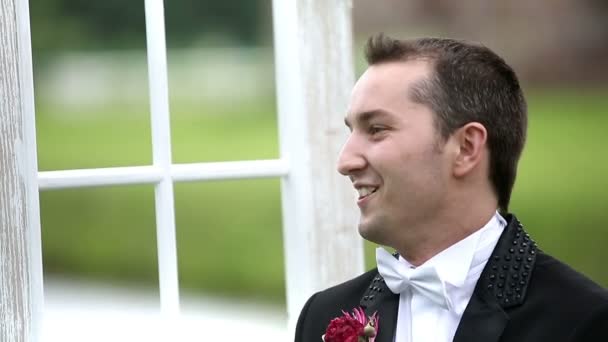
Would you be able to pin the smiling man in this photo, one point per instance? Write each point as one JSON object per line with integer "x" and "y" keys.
{"x": 437, "y": 128}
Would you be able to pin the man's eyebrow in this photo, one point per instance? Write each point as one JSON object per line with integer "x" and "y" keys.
{"x": 366, "y": 116}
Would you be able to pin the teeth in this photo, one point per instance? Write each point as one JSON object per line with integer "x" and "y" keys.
{"x": 365, "y": 191}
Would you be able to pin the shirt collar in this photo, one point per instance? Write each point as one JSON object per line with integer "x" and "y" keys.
{"x": 453, "y": 263}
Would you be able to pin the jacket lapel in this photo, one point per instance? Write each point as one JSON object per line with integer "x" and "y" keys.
{"x": 483, "y": 320}
{"x": 379, "y": 299}
{"x": 387, "y": 322}
{"x": 502, "y": 285}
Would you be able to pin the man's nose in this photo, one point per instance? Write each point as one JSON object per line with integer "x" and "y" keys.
{"x": 350, "y": 159}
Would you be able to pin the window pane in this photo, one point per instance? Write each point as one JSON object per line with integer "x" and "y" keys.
{"x": 101, "y": 233}
{"x": 230, "y": 240}
{"x": 100, "y": 263}
{"x": 90, "y": 75}
{"x": 221, "y": 78}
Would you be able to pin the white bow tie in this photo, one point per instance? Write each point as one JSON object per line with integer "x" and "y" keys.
{"x": 423, "y": 279}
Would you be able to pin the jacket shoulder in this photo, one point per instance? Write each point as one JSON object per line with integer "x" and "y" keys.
{"x": 353, "y": 287}
{"x": 558, "y": 280}
{"x": 561, "y": 305}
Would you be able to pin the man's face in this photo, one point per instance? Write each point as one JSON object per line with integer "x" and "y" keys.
{"x": 394, "y": 155}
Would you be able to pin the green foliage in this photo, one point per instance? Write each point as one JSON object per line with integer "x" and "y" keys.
{"x": 229, "y": 233}
{"x": 117, "y": 24}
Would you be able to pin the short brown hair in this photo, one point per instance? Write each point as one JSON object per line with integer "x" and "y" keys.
{"x": 470, "y": 83}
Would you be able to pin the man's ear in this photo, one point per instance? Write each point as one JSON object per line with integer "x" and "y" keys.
{"x": 471, "y": 139}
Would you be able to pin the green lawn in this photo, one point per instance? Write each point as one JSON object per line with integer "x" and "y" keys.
{"x": 229, "y": 233}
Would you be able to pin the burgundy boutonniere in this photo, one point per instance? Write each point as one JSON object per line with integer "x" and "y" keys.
{"x": 352, "y": 327}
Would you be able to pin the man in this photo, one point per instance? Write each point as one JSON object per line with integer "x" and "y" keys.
{"x": 437, "y": 128}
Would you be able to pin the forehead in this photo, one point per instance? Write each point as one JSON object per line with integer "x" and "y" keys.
{"x": 385, "y": 87}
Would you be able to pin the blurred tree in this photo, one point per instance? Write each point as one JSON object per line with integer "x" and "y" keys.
{"x": 235, "y": 21}
{"x": 114, "y": 24}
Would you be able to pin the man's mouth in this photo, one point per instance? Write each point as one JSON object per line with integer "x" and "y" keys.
{"x": 365, "y": 191}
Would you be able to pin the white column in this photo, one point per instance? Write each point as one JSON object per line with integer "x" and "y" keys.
{"x": 314, "y": 76}
{"x": 21, "y": 293}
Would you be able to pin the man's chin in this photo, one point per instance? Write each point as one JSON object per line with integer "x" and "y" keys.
{"x": 370, "y": 232}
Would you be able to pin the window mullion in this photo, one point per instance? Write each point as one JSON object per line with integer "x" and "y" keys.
{"x": 161, "y": 153}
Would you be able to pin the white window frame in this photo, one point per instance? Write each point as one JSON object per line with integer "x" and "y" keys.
{"x": 314, "y": 75}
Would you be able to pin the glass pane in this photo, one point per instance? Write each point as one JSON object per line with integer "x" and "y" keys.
{"x": 90, "y": 75}
{"x": 222, "y": 81}
{"x": 231, "y": 263}
{"x": 231, "y": 260}
{"x": 100, "y": 262}
{"x": 230, "y": 239}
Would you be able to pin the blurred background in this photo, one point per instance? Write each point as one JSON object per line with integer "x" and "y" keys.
{"x": 92, "y": 111}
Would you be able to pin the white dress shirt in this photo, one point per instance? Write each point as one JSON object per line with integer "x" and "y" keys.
{"x": 459, "y": 266}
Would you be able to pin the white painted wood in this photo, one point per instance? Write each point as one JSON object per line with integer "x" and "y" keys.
{"x": 21, "y": 295}
{"x": 63, "y": 179}
{"x": 229, "y": 170}
{"x": 315, "y": 73}
{"x": 161, "y": 155}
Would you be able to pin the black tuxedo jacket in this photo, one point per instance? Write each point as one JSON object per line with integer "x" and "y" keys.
{"x": 522, "y": 295}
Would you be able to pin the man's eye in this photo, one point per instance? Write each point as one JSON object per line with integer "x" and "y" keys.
{"x": 376, "y": 129}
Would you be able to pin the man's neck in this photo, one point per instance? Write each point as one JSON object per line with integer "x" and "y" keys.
{"x": 424, "y": 242}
